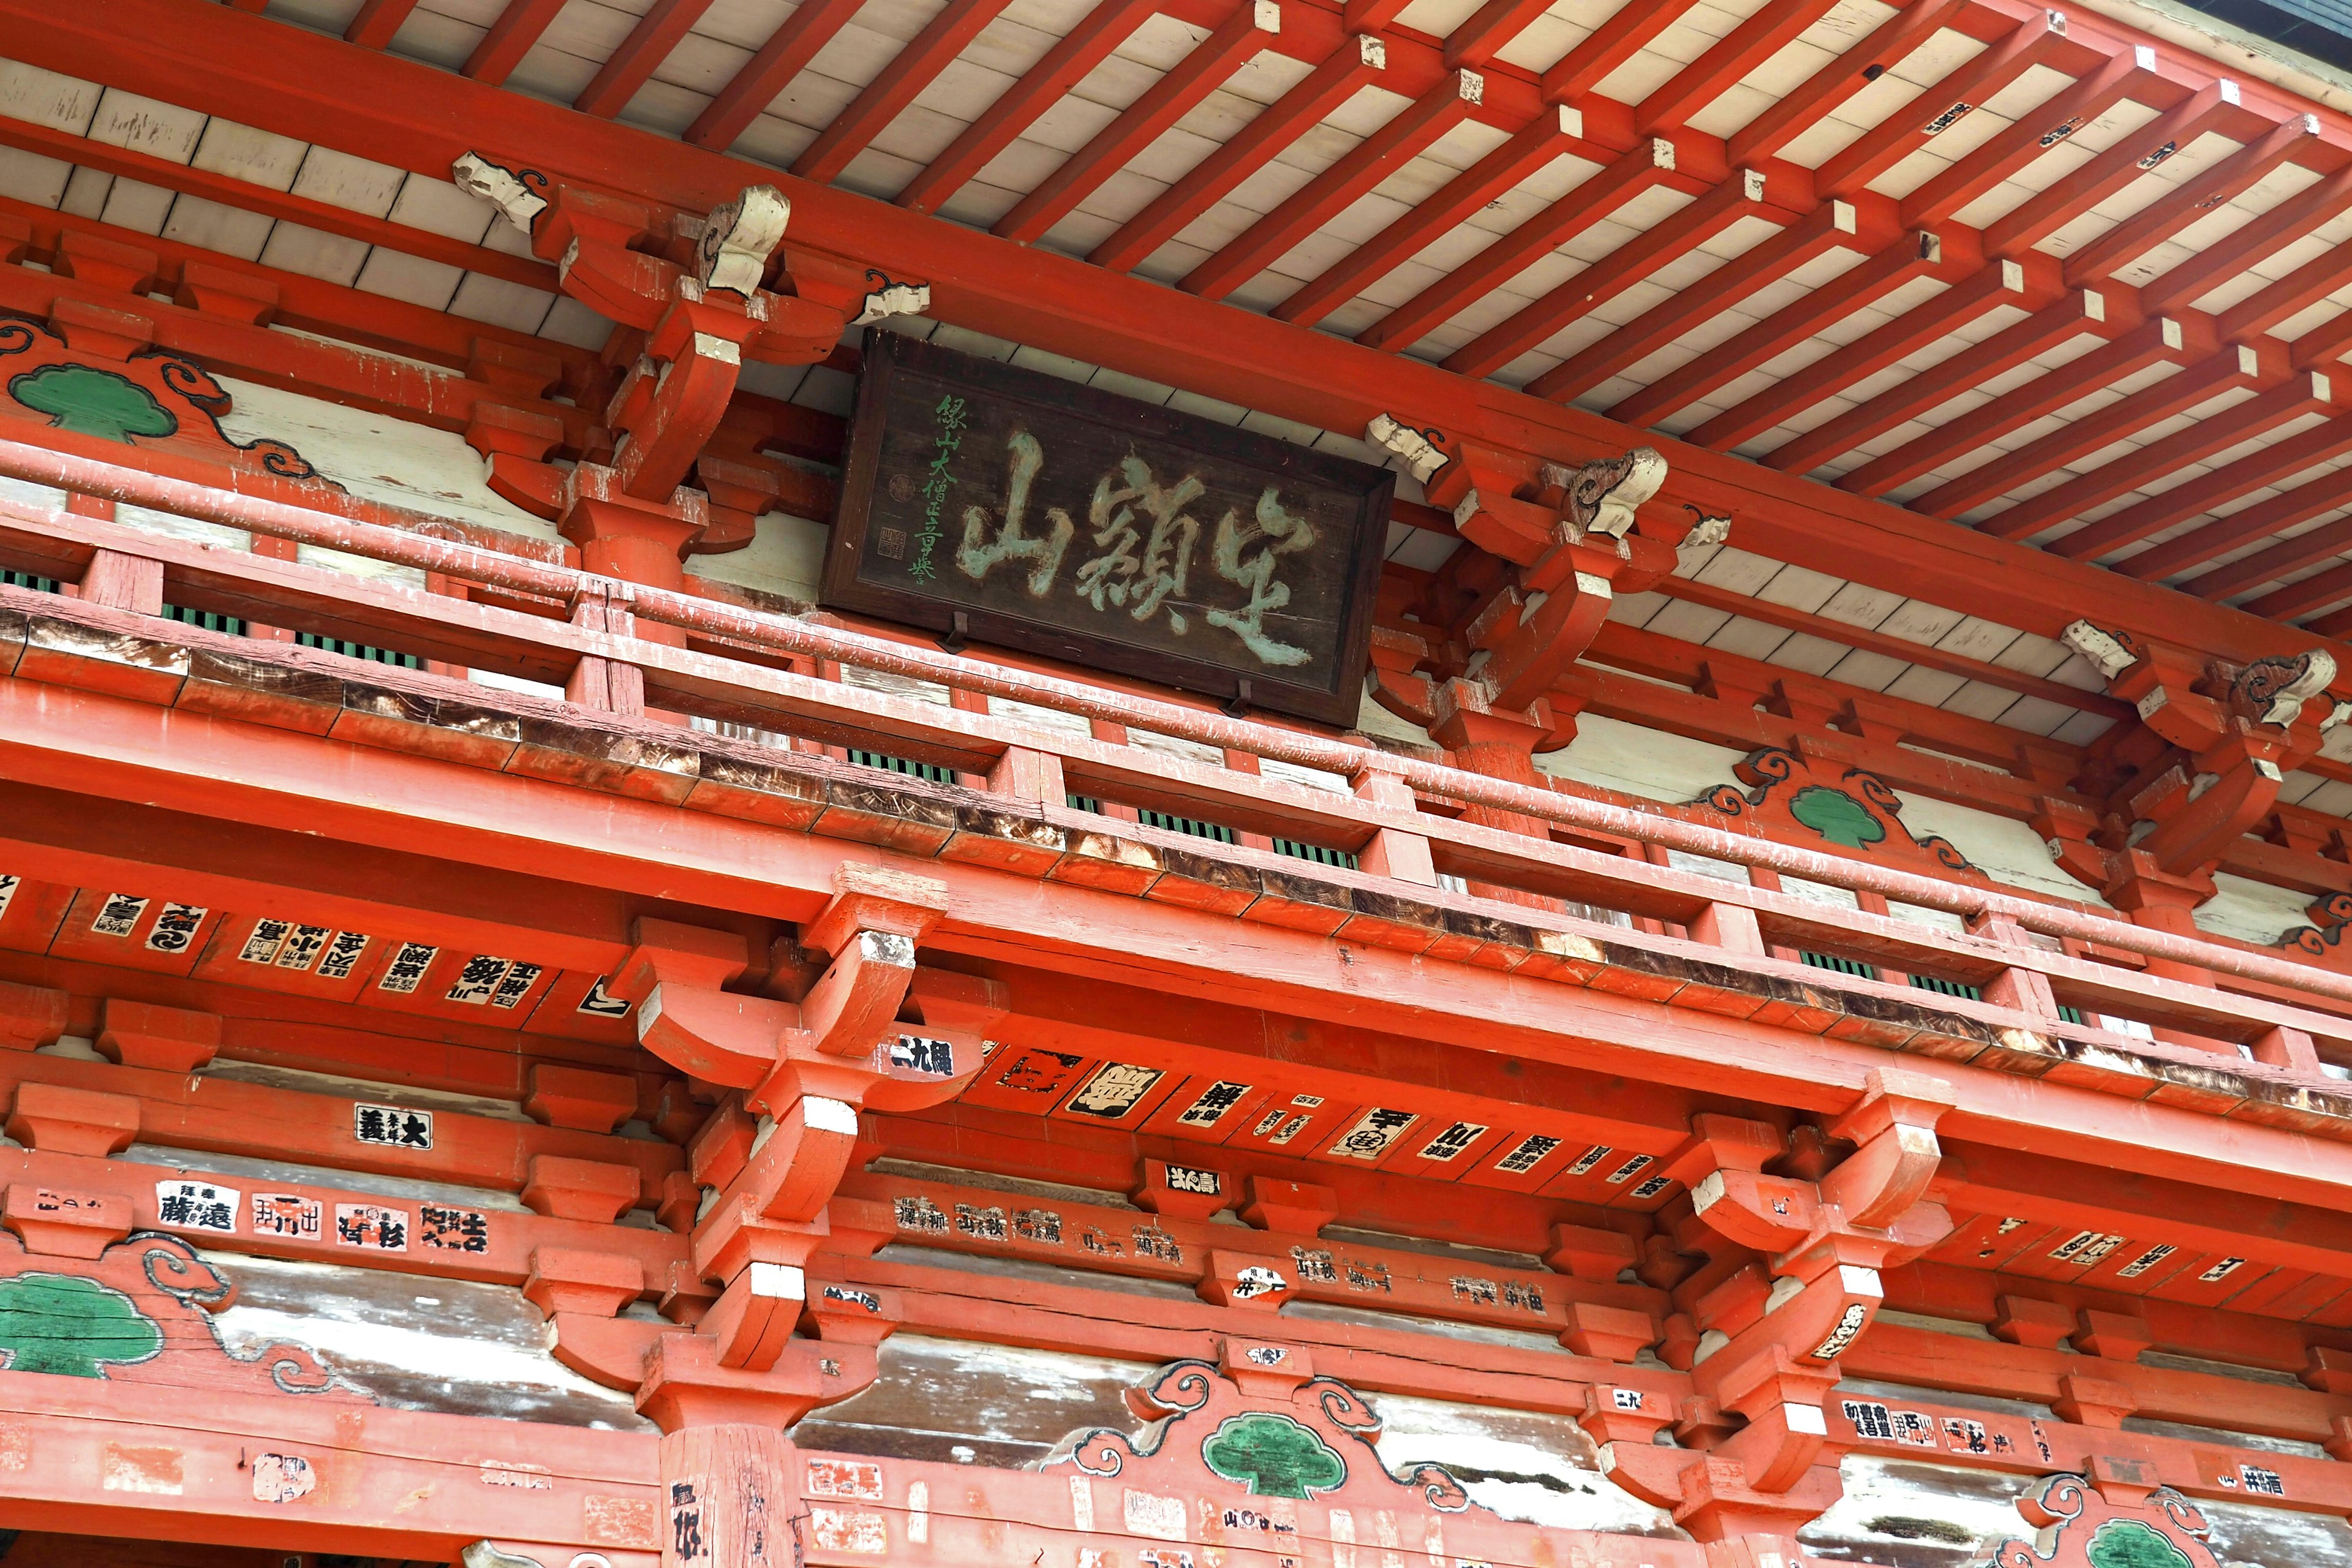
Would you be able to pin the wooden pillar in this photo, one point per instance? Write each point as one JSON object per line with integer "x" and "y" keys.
{"x": 727, "y": 1497}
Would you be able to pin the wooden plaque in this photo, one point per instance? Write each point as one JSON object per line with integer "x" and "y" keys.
{"x": 1021, "y": 510}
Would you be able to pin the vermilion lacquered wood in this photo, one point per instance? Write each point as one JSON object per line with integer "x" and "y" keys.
{"x": 511, "y": 37}
{"x": 914, "y": 68}
{"x": 377, "y": 21}
{"x": 1078, "y": 51}
{"x": 767, "y": 73}
{"x": 1757, "y": 38}
{"x": 2275, "y": 461}
{"x": 1240, "y": 155}
{"x": 641, "y": 54}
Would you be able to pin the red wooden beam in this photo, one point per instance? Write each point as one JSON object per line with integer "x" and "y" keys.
{"x": 2178, "y": 207}
{"x": 2335, "y": 622}
{"x": 377, "y": 21}
{"x": 1200, "y": 73}
{"x": 1931, "y": 113}
{"x": 2027, "y": 138}
{"x": 1879, "y": 275}
{"x": 768, "y": 72}
{"x": 1360, "y": 59}
{"x": 2307, "y": 595}
{"x": 1557, "y": 130}
{"x": 1336, "y": 189}
{"x": 1973, "y": 294}
{"x": 2061, "y": 321}
{"x": 1650, "y": 163}
{"x": 2263, "y": 519}
{"x": 228, "y": 190}
{"x": 2284, "y": 297}
{"x": 511, "y": 37}
{"x": 1892, "y": 647}
{"x": 2276, "y": 461}
{"x": 1046, "y": 84}
{"x": 1828, "y": 227}
{"x": 2041, "y": 216}
{"x": 1475, "y": 43}
{"x": 1773, "y": 27}
{"x": 632, "y": 65}
{"x": 1628, "y": 31}
{"x": 914, "y": 68}
{"x": 2306, "y": 393}
{"x": 2182, "y": 285}
{"x": 2176, "y": 394}
{"x": 2133, "y": 352}
{"x": 1799, "y": 109}
{"x": 1740, "y": 196}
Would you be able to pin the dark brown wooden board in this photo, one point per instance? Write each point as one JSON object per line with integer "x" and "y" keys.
{"x": 1149, "y": 543}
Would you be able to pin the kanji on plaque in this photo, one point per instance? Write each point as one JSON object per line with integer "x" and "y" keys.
{"x": 406, "y": 970}
{"x": 452, "y": 1230}
{"x": 999, "y": 503}
{"x": 119, "y": 915}
{"x": 196, "y": 1205}
{"x": 371, "y": 1227}
{"x": 394, "y": 1126}
{"x": 175, "y": 927}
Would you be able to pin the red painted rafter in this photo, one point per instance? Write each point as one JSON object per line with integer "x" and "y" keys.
{"x": 1741, "y": 195}
{"x": 2275, "y": 462}
{"x": 230, "y": 191}
{"x": 1200, "y": 73}
{"x": 1969, "y": 295}
{"x": 2282, "y": 299}
{"x": 1826, "y": 228}
{"x": 2132, "y": 352}
{"x": 914, "y": 68}
{"x": 2181, "y": 286}
{"x": 1796, "y": 111}
{"x": 632, "y": 65}
{"x": 1629, "y": 31}
{"x": 2028, "y": 138}
{"x": 2263, "y": 520}
{"x": 2041, "y": 216}
{"x": 1360, "y": 60}
{"x": 2333, "y": 624}
{"x": 1333, "y": 192}
{"x": 1046, "y": 84}
{"x": 2058, "y": 321}
{"x": 2308, "y": 594}
{"x": 2178, "y": 207}
{"x": 511, "y": 37}
{"x": 1881, "y": 148}
{"x": 1489, "y": 30}
{"x": 1902, "y": 649}
{"x": 768, "y": 72}
{"x": 377, "y": 21}
{"x": 1552, "y": 133}
{"x": 2255, "y": 416}
{"x": 1698, "y": 84}
{"x": 1649, "y": 164}
{"x": 1879, "y": 275}
{"x": 2176, "y": 394}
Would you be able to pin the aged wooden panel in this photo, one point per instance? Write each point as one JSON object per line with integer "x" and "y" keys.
{"x": 1006, "y": 506}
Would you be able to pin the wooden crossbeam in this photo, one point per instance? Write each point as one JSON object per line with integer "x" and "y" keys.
{"x": 1044, "y": 84}
{"x": 2275, "y": 461}
{"x": 2250, "y": 420}
{"x": 1976, "y": 294}
{"x": 2308, "y": 594}
{"x": 1757, "y": 38}
{"x": 2131, "y": 352}
{"x": 1741, "y": 197}
{"x": 1931, "y": 113}
{"x": 2217, "y": 263}
{"x": 914, "y": 68}
{"x": 2027, "y": 139}
{"x": 1628, "y": 31}
{"x": 631, "y": 65}
{"x": 2294, "y": 140}
{"x": 2043, "y": 215}
{"x": 376, "y": 22}
{"x": 1831, "y": 226}
{"x": 1360, "y": 60}
{"x": 511, "y": 37}
{"x": 769, "y": 71}
{"x": 1200, "y": 72}
{"x": 1909, "y": 257}
{"x": 1649, "y": 164}
{"x": 1333, "y": 192}
{"x": 1799, "y": 109}
{"x": 1556, "y": 132}
{"x": 2266, "y": 517}
{"x": 2176, "y": 393}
